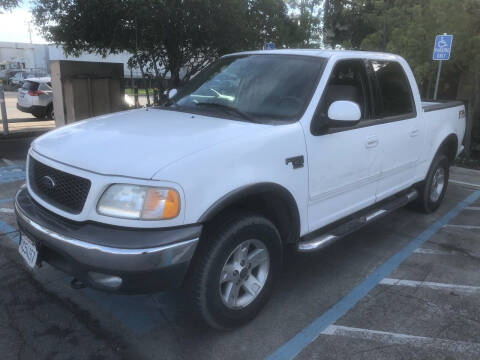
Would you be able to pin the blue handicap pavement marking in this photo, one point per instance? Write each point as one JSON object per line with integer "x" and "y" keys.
{"x": 11, "y": 173}
{"x": 9, "y": 231}
{"x": 306, "y": 336}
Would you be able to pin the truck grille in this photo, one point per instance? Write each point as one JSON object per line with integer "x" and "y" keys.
{"x": 65, "y": 191}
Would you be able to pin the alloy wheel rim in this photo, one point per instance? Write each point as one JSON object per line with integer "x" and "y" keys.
{"x": 244, "y": 274}
{"x": 438, "y": 183}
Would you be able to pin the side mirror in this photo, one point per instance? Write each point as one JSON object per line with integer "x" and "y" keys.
{"x": 344, "y": 113}
{"x": 172, "y": 93}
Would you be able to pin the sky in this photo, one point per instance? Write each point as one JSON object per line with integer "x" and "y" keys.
{"x": 14, "y": 25}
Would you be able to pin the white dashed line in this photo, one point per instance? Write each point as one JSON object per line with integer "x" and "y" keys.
{"x": 434, "y": 252}
{"x": 468, "y": 227}
{"x": 463, "y": 347}
{"x": 8, "y": 162}
{"x": 464, "y": 183}
{"x": 431, "y": 285}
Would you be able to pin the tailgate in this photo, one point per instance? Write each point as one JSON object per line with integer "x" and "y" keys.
{"x": 23, "y": 98}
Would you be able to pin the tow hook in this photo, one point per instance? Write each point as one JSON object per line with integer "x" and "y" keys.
{"x": 77, "y": 284}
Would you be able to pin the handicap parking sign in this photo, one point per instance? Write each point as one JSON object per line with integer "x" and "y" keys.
{"x": 443, "y": 47}
{"x": 269, "y": 46}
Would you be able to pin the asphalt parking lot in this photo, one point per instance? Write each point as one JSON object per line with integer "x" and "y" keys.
{"x": 405, "y": 287}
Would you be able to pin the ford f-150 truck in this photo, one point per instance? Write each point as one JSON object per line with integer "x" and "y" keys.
{"x": 259, "y": 153}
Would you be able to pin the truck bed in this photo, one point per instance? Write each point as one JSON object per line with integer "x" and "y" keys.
{"x": 432, "y": 105}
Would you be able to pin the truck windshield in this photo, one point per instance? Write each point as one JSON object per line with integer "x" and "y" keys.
{"x": 258, "y": 88}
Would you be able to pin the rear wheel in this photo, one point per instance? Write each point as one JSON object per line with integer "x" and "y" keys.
{"x": 432, "y": 190}
{"x": 234, "y": 270}
{"x": 50, "y": 113}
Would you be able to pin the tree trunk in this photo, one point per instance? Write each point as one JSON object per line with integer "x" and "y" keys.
{"x": 326, "y": 25}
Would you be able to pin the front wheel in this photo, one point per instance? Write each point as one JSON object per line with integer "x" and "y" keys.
{"x": 432, "y": 190}
{"x": 234, "y": 270}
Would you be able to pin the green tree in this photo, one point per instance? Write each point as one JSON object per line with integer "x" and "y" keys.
{"x": 8, "y": 5}
{"x": 170, "y": 38}
{"x": 345, "y": 23}
{"x": 307, "y": 14}
{"x": 408, "y": 28}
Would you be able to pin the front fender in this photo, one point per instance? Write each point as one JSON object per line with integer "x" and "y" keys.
{"x": 230, "y": 168}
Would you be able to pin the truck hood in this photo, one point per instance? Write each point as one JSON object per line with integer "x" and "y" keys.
{"x": 137, "y": 143}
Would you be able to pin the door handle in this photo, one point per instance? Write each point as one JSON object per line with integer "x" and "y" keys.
{"x": 414, "y": 133}
{"x": 371, "y": 143}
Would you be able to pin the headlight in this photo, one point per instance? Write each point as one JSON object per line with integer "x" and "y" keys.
{"x": 139, "y": 202}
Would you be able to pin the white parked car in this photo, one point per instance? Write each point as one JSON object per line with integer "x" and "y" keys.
{"x": 260, "y": 150}
{"x": 36, "y": 97}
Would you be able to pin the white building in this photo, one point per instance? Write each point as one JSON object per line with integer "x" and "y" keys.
{"x": 37, "y": 56}
{"x": 23, "y": 56}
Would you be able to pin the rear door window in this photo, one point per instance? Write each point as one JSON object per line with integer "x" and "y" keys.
{"x": 30, "y": 85}
{"x": 394, "y": 94}
{"x": 44, "y": 87}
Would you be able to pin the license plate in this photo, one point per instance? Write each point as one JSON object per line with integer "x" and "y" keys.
{"x": 28, "y": 250}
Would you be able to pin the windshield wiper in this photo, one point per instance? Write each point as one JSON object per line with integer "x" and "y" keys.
{"x": 230, "y": 109}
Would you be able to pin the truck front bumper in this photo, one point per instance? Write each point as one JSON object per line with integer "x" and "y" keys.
{"x": 109, "y": 258}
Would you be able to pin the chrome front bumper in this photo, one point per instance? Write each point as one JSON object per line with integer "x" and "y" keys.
{"x": 85, "y": 257}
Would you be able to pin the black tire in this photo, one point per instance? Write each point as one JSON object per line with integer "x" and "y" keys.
{"x": 220, "y": 240}
{"x": 50, "y": 115}
{"x": 425, "y": 202}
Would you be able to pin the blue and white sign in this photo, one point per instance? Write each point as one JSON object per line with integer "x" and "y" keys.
{"x": 269, "y": 46}
{"x": 443, "y": 47}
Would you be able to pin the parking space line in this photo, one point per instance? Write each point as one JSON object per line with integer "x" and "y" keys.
{"x": 8, "y": 162}
{"x": 468, "y": 227}
{"x": 464, "y": 183}
{"x": 296, "y": 344}
{"x": 6, "y": 211}
{"x": 11, "y": 173}
{"x": 431, "y": 285}
{"x": 463, "y": 347}
{"x": 5, "y": 200}
{"x": 473, "y": 208}
{"x": 435, "y": 252}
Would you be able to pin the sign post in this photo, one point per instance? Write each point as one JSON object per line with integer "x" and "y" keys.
{"x": 441, "y": 53}
{"x": 3, "y": 110}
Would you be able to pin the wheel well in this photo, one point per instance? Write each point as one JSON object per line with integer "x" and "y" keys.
{"x": 449, "y": 147}
{"x": 270, "y": 200}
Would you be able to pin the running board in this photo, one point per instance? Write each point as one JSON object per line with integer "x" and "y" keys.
{"x": 354, "y": 224}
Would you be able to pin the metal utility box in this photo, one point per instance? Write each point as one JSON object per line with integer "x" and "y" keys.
{"x": 84, "y": 89}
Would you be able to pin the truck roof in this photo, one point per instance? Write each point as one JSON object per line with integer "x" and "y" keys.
{"x": 325, "y": 53}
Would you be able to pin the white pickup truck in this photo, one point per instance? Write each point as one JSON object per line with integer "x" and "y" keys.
{"x": 261, "y": 150}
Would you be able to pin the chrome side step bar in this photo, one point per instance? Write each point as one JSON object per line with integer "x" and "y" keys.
{"x": 322, "y": 241}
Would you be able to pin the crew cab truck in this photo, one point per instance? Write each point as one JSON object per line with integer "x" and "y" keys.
{"x": 260, "y": 150}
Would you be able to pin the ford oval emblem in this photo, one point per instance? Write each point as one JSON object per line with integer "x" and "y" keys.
{"x": 48, "y": 183}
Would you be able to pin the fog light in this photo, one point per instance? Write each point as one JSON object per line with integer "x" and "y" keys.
{"x": 105, "y": 280}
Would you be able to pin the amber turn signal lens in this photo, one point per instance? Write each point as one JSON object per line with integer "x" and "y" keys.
{"x": 172, "y": 205}
{"x": 161, "y": 204}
